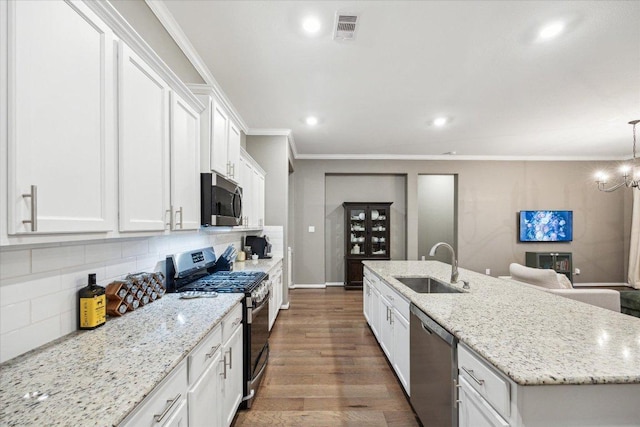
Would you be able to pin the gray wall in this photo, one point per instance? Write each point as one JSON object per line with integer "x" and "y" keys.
{"x": 272, "y": 154}
{"x": 490, "y": 193}
{"x": 138, "y": 14}
{"x": 361, "y": 188}
{"x": 436, "y": 214}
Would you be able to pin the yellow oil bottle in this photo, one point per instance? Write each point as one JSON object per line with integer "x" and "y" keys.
{"x": 92, "y": 305}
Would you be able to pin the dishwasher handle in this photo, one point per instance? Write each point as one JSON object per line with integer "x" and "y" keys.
{"x": 431, "y": 326}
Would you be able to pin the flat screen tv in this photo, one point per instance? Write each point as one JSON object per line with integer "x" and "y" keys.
{"x": 546, "y": 226}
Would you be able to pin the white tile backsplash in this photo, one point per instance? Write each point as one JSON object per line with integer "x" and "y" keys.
{"x": 50, "y": 259}
{"x": 103, "y": 252}
{"x": 39, "y": 284}
{"x": 15, "y": 263}
{"x": 15, "y": 316}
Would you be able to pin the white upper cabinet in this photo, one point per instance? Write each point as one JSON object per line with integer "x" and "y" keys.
{"x": 219, "y": 141}
{"x": 220, "y": 137}
{"x": 185, "y": 165}
{"x": 143, "y": 145}
{"x": 252, "y": 181}
{"x": 61, "y": 129}
{"x": 233, "y": 151}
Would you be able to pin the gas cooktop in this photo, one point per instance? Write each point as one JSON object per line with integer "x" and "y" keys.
{"x": 227, "y": 282}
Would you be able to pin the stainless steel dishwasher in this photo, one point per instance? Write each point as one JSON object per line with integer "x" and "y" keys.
{"x": 434, "y": 371}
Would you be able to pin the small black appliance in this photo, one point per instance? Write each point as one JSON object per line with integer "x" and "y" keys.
{"x": 259, "y": 245}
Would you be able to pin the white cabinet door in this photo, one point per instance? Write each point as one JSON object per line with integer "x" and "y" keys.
{"x": 233, "y": 151}
{"x": 219, "y": 140}
{"x": 143, "y": 145}
{"x": 185, "y": 163}
{"x": 61, "y": 125}
{"x": 366, "y": 299}
{"x": 386, "y": 327}
{"x": 232, "y": 388}
{"x": 375, "y": 319}
{"x": 247, "y": 193}
{"x": 257, "y": 187}
{"x": 204, "y": 397}
{"x": 180, "y": 417}
{"x": 474, "y": 411}
{"x": 401, "y": 349}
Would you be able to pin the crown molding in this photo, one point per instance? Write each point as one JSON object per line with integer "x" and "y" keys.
{"x": 447, "y": 157}
{"x": 125, "y": 32}
{"x": 175, "y": 31}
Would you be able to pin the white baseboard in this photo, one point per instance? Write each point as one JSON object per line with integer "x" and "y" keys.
{"x": 334, "y": 284}
{"x": 603, "y": 284}
{"x": 310, "y": 286}
{"x": 284, "y": 306}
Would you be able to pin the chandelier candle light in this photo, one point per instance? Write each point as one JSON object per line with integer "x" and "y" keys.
{"x": 630, "y": 173}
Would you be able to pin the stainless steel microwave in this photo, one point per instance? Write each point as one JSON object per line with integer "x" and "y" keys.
{"x": 220, "y": 201}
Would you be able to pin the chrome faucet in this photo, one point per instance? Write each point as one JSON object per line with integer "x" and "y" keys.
{"x": 454, "y": 261}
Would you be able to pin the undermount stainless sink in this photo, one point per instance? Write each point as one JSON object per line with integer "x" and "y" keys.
{"x": 428, "y": 285}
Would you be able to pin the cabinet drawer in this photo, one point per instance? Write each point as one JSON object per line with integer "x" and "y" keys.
{"x": 398, "y": 301}
{"x": 200, "y": 358}
{"x": 485, "y": 380}
{"x": 231, "y": 321}
{"x": 164, "y": 400}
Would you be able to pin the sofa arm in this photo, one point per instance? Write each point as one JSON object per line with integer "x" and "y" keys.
{"x": 605, "y": 298}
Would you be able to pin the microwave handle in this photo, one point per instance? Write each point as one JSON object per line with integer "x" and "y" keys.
{"x": 237, "y": 200}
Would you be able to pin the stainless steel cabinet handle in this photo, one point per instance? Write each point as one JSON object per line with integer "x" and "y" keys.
{"x": 34, "y": 208}
{"x": 236, "y": 322}
{"x": 224, "y": 364}
{"x": 179, "y": 212}
{"x": 213, "y": 351}
{"x": 472, "y": 375}
{"x": 233, "y": 169}
{"x": 170, "y": 223}
{"x": 456, "y": 393}
{"x": 230, "y": 357}
{"x": 170, "y": 404}
{"x": 390, "y": 297}
{"x": 387, "y": 314}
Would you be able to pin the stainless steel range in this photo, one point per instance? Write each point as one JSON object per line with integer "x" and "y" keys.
{"x": 199, "y": 273}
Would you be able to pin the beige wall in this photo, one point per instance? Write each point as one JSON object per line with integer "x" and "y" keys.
{"x": 138, "y": 14}
{"x": 489, "y": 196}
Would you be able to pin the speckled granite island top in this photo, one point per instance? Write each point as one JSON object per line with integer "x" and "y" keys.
{"x": 97, "y": 377}
{"x": 531, "y": 336}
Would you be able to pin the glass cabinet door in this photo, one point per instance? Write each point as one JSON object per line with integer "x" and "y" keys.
{"x": 358, "y": 230}
{"x": 379, "y": 242}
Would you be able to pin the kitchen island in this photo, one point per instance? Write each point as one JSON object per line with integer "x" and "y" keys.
{"x": 567, "y": 356}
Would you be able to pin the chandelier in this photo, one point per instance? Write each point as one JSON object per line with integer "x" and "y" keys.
{"x": 630, "y": 172}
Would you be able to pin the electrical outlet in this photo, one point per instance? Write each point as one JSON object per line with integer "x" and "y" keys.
{"x": 422, "y": 257}
{"x": 487, "y": 271}
{"x": 576, "y": 271}
{"x": 312, "y": 229}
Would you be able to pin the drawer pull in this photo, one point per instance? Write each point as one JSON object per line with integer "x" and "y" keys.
{"x": 236, "y": 322}
{"x": 213, "y": 351}
{"x": 472, "y": 375}
{"x": 170, "y": 404}
{"x": 390, "y": 298}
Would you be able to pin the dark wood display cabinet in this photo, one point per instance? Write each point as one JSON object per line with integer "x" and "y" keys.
{"x": 561, "y": 262}
{"x": 367, "y": 236}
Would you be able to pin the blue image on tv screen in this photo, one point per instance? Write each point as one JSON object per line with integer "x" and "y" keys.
{"x": 546, "y": 226}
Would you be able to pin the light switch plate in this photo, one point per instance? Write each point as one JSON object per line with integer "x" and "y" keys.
{"x": 312, "y": 229}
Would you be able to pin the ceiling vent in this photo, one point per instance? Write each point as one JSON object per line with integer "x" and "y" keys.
{"x": 345, "y": 28}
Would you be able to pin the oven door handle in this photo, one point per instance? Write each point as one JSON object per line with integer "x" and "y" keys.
{"x": 251, "y": 312}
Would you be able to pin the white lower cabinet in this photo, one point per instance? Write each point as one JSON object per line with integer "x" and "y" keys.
{"x": 275, "y": 298}
{"x": 474, "y": 411}
{"x": 388, "y": 315}
{"x": 164, "y": 403}
{"x": 205, "y": 389}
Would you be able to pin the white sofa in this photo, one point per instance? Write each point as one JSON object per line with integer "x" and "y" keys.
{"x": 552, "y": 282}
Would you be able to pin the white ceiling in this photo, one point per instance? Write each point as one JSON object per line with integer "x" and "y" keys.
{"x": 477, "y": 62}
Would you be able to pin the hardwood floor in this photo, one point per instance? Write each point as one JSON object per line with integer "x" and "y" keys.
{"x": 326, "y": 368}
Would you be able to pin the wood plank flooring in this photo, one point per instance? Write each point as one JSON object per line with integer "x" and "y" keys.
{"x": 326, "y": 368}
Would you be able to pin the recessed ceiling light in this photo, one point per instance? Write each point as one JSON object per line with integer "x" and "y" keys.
{"x": 551, "y": 31}
{"x": 311, "y": 24}
{"x": 440, "y": 121}
{"x": 312, "y": 121}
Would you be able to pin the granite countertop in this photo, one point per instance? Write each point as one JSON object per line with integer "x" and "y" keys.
{"x": 98, "y": 377}
{"x": 258, "y": 264}
{"x": 532, "y": 336}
